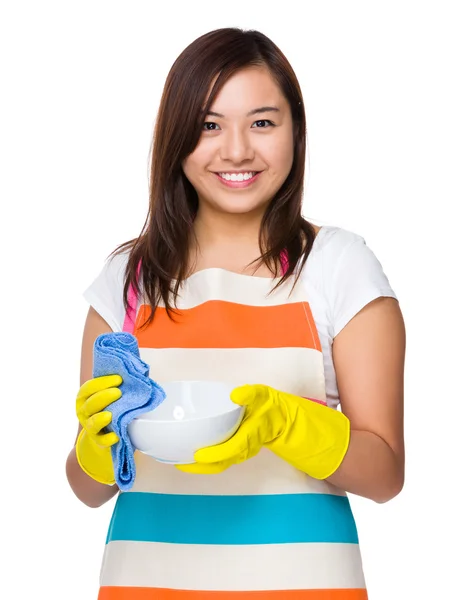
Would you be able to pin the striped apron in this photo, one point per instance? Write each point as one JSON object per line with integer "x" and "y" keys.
{"x": 261, "y": 529}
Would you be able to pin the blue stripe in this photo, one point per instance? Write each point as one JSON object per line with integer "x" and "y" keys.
{"x": 232, "y": 520}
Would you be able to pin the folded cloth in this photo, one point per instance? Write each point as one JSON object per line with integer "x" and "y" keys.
{"x": 118, "y": 354}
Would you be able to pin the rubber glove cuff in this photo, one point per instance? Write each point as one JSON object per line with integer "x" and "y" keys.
{"x": 94, "y": 460}
{"x": 314, "y": 439}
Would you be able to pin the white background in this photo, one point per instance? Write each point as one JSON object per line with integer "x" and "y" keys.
{"x": 384, "y": 92}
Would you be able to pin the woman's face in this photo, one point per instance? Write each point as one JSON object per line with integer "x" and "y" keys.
{"x": 245, "y": 151}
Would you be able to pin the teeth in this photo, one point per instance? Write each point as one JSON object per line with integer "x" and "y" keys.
{"x": 237, "y": 176}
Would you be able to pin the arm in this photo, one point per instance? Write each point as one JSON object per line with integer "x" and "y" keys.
{"x": 369, "y": 356}
{"x": 89, "y": 491}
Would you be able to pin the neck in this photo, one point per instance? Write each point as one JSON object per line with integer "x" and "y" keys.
{"x": 216, "y": 229}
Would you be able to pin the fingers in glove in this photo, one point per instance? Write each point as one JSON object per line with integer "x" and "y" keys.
{"x": 98, "y": 384}
{"x": 98, "y": 402}
{"x": 243, "y": 395}
{"x": 237, "y": 446}
{"x": 105, "y": 440}
{"x": 96, "y": 423}
{"x": 247, "y": 395}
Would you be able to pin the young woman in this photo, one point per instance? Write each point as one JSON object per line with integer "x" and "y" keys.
{"x": 301, "y": 318}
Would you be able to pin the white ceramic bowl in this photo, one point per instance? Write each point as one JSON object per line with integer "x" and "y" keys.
{"x": 194, "y": 415}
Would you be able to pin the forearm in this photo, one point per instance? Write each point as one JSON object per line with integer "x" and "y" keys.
{"x": 370, "y": 468}
{"x": 89, "y": 491}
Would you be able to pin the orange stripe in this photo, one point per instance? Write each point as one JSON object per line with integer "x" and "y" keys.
{"x": 220, "y": 324}
{"x": 139, "y": 593}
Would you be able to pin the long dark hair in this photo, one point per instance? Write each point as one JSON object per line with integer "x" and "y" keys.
{"x": 162, "y": 248}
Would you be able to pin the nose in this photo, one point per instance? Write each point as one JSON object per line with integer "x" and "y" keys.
{"x": 236, "y": 146}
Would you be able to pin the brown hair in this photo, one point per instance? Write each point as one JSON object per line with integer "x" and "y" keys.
{"x": 162, "y": 248}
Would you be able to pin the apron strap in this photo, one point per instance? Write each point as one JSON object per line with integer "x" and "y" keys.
{"x": 131, "y": 312}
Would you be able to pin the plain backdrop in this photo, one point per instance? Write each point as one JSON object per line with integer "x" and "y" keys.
{"x": 384, "y": 90}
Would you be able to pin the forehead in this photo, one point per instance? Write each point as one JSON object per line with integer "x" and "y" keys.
{"x": 249, "y": 88}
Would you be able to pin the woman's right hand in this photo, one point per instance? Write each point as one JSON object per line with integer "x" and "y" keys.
{"x": 93, "y": 446}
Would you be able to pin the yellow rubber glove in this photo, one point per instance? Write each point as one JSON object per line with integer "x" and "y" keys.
{"x": 311, "y": 437}
{"x": 93, "y": 446}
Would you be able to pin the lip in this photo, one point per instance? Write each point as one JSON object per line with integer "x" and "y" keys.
{"x": 238, "y": 184}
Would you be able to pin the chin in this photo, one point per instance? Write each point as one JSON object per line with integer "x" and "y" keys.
{"x": 242, "y": 210}
{"x": 240, "y": 207}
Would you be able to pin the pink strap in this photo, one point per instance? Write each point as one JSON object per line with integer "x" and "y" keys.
{"x": 284, "y": 261}
{"x": 130, "y": 316}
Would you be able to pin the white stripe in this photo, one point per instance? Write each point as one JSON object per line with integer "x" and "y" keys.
{"x": 218, "y": 284}
{"x": 233, "y": 568}
{"x": 265, "y": 473}
{"x": 297, "y": 371}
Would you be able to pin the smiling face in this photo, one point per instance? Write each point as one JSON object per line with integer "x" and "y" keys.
{"x": 245, "y": 151}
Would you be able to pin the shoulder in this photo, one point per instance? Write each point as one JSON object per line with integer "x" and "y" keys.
{"x": 331, "y": 244}
{"x": 116, "y": 263}
{"x": 105, "y": 293}
{"x": 114, "y": 269}
{"x": 333, "y": 241}
{"x": 345, "y": 272}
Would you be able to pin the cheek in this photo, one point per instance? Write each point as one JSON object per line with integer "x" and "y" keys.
{"x": 281, "y": 155}
{"x": 196, "y": 163}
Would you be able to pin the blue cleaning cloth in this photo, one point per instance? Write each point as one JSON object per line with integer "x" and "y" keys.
{"x": 118, "y": 354}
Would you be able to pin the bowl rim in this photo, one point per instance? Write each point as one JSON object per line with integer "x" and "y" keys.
{"x": 161, "y": 383}
{"x": 231, "y": 409}
{"x": 190, "y": 420}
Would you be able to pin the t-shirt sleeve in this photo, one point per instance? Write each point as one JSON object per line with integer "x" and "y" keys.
{"x": 105, "y": 294}
{"x": 358, "y": 278}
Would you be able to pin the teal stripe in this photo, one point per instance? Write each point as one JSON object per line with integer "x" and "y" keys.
{"x": 232, "y": 520}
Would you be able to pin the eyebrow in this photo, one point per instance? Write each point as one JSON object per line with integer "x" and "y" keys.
{"x": 255, "y": 111}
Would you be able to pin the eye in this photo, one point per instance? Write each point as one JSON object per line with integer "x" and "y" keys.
{"x": 263, "y": 124}
{"x": 209, "y": 126}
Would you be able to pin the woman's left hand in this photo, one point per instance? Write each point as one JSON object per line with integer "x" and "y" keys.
{"x": 264, "y": 420}
{"x": 309, "y": 436}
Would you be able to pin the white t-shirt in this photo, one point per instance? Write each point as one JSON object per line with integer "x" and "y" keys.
{"x": 341, "y": 276}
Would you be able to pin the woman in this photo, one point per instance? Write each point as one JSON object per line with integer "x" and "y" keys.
{"x": 264, "y": 298}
